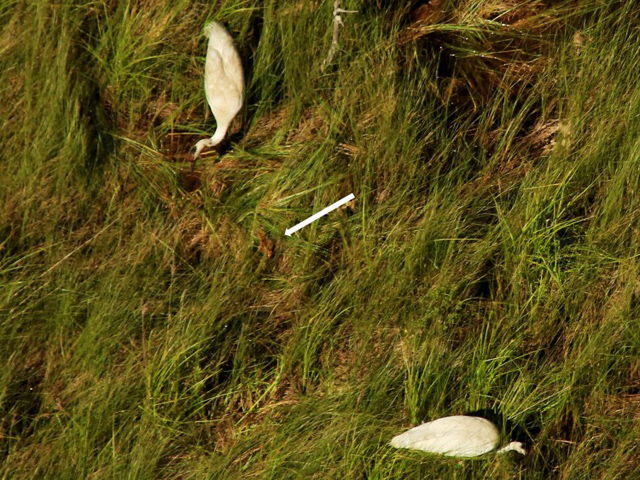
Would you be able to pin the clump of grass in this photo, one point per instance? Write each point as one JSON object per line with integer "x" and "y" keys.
{"x": 157, "y": 324}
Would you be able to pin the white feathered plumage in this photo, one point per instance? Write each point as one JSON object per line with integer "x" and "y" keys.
{"x": 223, "y": 83}
{"x": 456, "y": 436}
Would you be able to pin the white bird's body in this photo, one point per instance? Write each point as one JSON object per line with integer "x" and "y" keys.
{"x": 223, "y": 83}
{"x": 456, "y": 436}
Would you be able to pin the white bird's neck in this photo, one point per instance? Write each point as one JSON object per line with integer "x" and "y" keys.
{"x": 517, "y": 446}
{"x": 218, "y": 136}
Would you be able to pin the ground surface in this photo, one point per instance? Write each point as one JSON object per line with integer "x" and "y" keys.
{"x": 156, "y": 323}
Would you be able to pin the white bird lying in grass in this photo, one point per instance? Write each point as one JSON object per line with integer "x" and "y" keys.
{"x": 457, "y": 436}
{"x": 223, "y": 83}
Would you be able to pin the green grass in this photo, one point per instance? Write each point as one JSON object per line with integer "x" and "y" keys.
{"x": 158, "y": 324}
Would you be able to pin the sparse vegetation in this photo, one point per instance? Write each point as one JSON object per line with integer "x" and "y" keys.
{"x": 157, "y": 323}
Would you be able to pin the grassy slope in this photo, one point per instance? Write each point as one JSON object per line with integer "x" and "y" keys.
{"x": 489, "y": 261}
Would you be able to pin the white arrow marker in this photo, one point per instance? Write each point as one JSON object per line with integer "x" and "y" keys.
{"x": 321, "y": 213}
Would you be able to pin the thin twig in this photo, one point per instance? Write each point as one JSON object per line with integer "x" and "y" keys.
{"x": 337, "y": 23}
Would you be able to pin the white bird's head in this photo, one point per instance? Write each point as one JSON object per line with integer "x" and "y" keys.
{"x": 198, "y": 147}
{"x": 516, "y": 446}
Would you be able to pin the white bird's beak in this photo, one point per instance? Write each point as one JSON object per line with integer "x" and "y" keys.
{"x": 195, "y": 153}
{"x": 197, "y": 149}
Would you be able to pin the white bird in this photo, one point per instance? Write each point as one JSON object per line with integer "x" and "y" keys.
{"x": 223, "y": 83}
{"x": 456, "y": 436}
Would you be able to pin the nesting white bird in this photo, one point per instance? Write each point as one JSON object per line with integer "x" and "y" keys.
{"x": 456, "y": 436}
{"x": 223, "y": 83}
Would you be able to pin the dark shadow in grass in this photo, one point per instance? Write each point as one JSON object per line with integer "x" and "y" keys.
{"x": 546, "y": 457}
{"x": 511, "y": 431}
{"x": 231, "y": 140}
{"x": 247, "y": 52}
{"x": 189, "y": 179}
{"x": 21, "y": 405}
{"x": 485, "y": 285}
{"x": 100, "y": 144}
{"x": 542, "y": 458}
{"x": 93, "y": 108}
